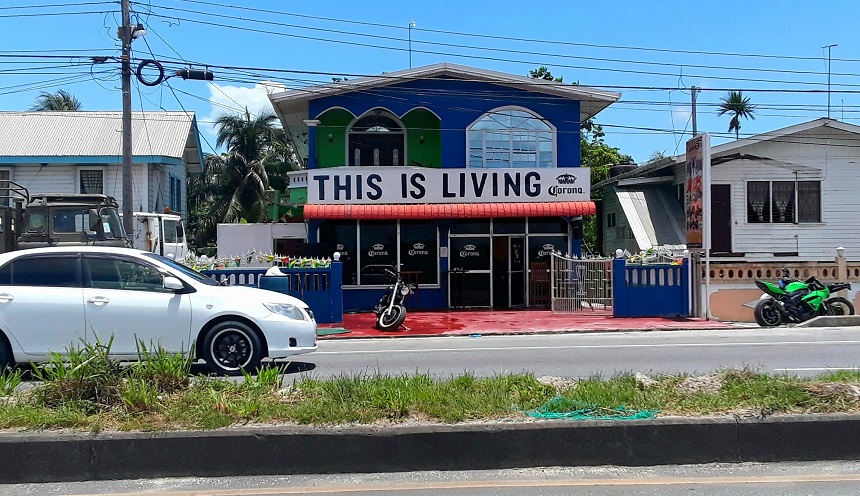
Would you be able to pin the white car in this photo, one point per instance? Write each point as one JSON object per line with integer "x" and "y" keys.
{"x": 52, "y": 298}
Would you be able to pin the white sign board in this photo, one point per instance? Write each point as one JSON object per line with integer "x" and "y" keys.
{"x": 398, "y": 185}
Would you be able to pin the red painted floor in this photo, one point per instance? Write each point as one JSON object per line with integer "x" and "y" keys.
{"x": 463, "y": 322}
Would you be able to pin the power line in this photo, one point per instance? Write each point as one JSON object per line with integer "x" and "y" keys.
{"x": 50, "y": 14}
{"x": 477, "y": 57}
{"x": 506, "y": 50}
{"x": 50, "y": 5}
{"x": 511, "y": 38}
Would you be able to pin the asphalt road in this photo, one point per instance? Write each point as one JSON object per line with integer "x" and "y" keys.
{"x": 776, "y": 479}
{"x": 795, "y": 351}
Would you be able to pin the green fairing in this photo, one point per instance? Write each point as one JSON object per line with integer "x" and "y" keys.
{"x": 795, "y": 286}
{"x": 815, "y": 298}
{"x": 776, "y": 289}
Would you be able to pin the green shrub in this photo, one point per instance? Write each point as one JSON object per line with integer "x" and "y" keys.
{"x": 86, "y": 376}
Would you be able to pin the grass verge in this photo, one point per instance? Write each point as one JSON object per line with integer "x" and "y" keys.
{"x": 85, "y": 390}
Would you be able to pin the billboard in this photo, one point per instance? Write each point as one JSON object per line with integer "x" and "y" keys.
{"x": 399, "y": 185}
{"x": 697, "y": 192}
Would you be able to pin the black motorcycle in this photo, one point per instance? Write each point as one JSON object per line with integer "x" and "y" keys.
{"x": 390, "y": 311}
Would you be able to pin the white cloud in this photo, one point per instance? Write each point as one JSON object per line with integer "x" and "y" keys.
{"x": 234, "y": 99}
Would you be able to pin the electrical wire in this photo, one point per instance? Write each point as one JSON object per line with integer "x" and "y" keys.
{"x": 512, "y": 38}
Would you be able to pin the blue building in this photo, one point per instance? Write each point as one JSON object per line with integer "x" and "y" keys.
{"x": 463, "y": 178}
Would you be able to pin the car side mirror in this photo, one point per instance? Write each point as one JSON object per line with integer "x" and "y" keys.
{"x": 95, "y": 218}
{"x": 172, "y": 283}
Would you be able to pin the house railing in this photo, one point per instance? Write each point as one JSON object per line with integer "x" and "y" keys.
{"x": 321, "y": 288}
{"x": 749, "y": 272}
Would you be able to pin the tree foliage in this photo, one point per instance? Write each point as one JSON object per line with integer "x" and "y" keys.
{"x": 232, "y": 187}
{"x": 62, "y": 100}
{"x": 738, "y": 106}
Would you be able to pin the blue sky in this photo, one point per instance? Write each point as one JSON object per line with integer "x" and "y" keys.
{"x": 651, "y": 52}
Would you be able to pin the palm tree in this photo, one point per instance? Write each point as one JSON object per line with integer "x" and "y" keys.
{"x": 61, "y": 100}
{"x": 738, "y": 105}
{"x": 233, "y": 185}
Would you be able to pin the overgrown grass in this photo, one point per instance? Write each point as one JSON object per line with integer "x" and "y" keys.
{"x": 86, "y": 390}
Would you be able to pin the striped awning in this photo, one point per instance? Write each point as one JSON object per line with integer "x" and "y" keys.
{"x": 450, "y": 210}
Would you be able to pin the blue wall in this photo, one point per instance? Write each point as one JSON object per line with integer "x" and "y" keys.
{"x": 458, "y": 104}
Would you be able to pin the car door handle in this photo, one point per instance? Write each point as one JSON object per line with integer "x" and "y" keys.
{"x": 98, "y": 300}
{"x": 6, "y": 297}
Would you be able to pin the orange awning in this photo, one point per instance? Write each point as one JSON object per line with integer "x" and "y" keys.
{"x": 450, "y": 210}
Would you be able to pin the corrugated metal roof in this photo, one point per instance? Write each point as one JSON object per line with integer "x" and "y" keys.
{"x": 654, "y": 219}
{"x": 449, "y": 210}
{"x": 98, "y": 134}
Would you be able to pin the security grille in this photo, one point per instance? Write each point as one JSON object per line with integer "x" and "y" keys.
{"x": 580, "y": 284}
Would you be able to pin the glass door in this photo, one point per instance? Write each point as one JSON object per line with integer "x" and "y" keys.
{"x": 469, "y": 273}
{"x": 517, "y": 271}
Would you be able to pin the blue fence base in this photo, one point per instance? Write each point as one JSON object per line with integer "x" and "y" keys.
{"x": 660, "y": 290}
{"x": 320, "y": 288}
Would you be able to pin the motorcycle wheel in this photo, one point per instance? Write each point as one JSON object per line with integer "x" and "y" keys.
{"x": 767, "y": 314}
{"x": 390, "y": 320}
{"x": 839, "y": 306}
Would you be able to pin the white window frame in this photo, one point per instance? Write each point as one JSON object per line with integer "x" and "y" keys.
{"x": 796, "y": 220}
{"x": 7, "y": 201}
{"x": 552, "y": 130}
{"x": 78, "y": 172}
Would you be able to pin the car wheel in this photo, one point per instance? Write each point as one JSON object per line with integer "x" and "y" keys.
{"x": 232, "y": 347}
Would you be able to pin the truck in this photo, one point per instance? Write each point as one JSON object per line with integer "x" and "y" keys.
{"x": 161, "y": 233}
{"x": 57, "y": 219}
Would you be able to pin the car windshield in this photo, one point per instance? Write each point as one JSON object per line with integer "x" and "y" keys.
{"x": 197, "y": 276}
{"x": 111, "y": 223}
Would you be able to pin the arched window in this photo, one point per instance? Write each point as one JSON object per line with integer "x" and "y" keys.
{"x": 376, "y": 139}
{"x": 511, "y": 138}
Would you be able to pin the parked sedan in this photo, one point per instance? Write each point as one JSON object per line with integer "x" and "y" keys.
{"x": 52, "y": 298}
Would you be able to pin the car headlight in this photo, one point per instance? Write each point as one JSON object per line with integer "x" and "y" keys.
{"x": 287, "y": 310}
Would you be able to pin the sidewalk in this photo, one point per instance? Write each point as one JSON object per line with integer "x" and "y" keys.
{"x": 495, "y": 322}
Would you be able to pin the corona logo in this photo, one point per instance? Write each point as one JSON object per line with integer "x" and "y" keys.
{"x": 378, "y": 250}
{"x": 469, "y": 251}
{"x": 418, "y": 249}
{"x": 566, "y": 179}
{"x": 546, "y": 249}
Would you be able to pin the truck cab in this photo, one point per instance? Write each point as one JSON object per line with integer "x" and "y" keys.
{"x": 59, "y": 219}
{"x": 161, "y": 233}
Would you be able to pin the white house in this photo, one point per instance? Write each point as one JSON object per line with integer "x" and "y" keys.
{"x": 787, "y": 195}
{"x": 81, "y": 152}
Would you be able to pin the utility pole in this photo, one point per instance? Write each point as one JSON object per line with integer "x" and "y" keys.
{"x": 693, "y": 94}
{"x": 411, "y": 25}
{"x": 127, "y": 194}
{"x": 828, "y": 47}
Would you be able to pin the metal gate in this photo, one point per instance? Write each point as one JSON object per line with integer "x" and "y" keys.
{"x": 580, "y": 284}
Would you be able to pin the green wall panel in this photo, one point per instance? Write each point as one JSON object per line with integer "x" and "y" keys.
{"x": 423, "y": 123}
{"x": 332, "y": 153}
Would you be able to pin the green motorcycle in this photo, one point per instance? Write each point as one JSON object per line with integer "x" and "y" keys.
{"x": 793, "y": 301}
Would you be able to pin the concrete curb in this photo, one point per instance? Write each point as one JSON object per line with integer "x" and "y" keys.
{"x": 832, "y": 321}
{"x": 56, "y": 457}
